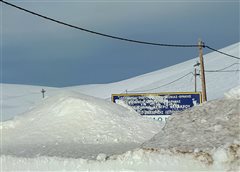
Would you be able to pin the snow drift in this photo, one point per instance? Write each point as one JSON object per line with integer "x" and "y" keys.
{"x": 209, "y": 132}
{"x": 71, "y": 124}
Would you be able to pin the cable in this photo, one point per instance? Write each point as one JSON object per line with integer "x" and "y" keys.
{"x": 116, "y": 37}
{"x": 164, "y": 84}
{"x": 223, "y": 69}
{"x": 228, "y": 66}
{"x": 98, "y": 33}
{"x": 222, "y": 52}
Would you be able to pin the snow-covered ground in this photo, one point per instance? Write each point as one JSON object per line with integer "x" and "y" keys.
{"x": 69, "y": 130}
{"x": 17, "y": 99}
{"x": 204, "y": 138}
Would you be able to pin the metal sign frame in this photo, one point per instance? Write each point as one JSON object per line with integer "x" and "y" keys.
{"x": 166, "y": 94}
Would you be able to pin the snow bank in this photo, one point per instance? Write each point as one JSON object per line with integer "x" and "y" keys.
{"x": 209, "y": 132}
{"x": 136, "y": 160}
{"x": 234, "y": 93}
{"x": 72, "y": 125}
{"x": 204, "y": 138}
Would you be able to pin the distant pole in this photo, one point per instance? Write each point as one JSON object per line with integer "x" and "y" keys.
{"x": 195, "y": 80}
{"x": 43, "y": 91}
{"x": 195, "y": 75}
{"x": 204, "y": 92}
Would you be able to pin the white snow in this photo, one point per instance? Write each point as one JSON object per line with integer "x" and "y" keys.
{"x": 137, "y": 160}
{"x": 205, "y": 138}
{"x": 71, "y": 124}
{"x": 204, "y": 127}
{"x": 210, "y": 132}
{"x": 17, "y": 99}
{"x": 234, "y": 93}
{"x": 75, "y": 132}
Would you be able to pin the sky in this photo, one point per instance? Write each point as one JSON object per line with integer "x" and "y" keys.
{"x": 35, "y": 51}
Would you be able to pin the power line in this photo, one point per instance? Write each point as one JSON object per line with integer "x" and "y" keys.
{"x": 99, "y": 33}
{"x": 116, "y": 37}
{"x": 219, "y": 70}
{"x": 222, "y": 52}
{"x": 164, "y": 84}
{"x": 222, "y": 71}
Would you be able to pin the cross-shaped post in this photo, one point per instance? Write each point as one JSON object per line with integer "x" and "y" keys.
{"x": 43, "y": 91}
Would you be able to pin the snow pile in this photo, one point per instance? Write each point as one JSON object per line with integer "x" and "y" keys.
{"x": 204, "y": 138}
{"x": 210, "y": 132}
{"x": 234, "y": 93}
{"x": 71, "y": 124}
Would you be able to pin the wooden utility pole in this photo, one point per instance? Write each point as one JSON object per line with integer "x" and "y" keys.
{"x": 204, "y": 92}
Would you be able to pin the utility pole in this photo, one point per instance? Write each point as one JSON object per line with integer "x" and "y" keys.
{"x": 204, "y": 92}
{"x": 195, "y": 79}
{"x": 195, "y": 75}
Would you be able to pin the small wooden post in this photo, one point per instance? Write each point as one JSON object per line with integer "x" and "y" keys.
{"x": 204, "y": 92}
{"x": 43, "y": 91}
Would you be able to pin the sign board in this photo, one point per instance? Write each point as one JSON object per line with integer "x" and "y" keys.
{"x": 159, "y": 105}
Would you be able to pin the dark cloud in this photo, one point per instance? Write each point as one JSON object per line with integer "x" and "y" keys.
{"x": 39, "y": 52}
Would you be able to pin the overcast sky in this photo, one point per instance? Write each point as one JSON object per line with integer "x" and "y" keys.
{"x": 39, "y": 52}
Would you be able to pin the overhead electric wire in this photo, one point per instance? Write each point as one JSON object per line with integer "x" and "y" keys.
{"x": 116, "y": 37}
{"x": 162, "y": 85}
{"x": 98, "y": 33}
{"x": 223, "y": 69}
{"x": 222, "y": 52}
